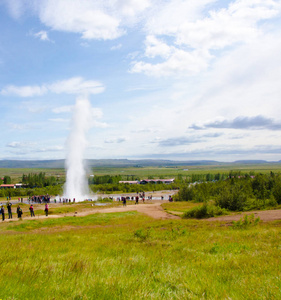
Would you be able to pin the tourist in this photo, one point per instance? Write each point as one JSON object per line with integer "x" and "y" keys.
{"x": 124, "y": 201}
{"x": 137, "y": 200}
{"x": 31, "y": 209}
{"x": 19, "y": 212}
{"x": 9, "y": 207}
{"x": 3, "y": 213}
{"x": 46, "y": 209}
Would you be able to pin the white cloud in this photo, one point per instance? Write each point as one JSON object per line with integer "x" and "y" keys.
{"x": 178, "y": 62}
{"x": 130, "y": 7}
{"x": 88, "y": 18}
{"x": 20, "y": 144}
{"x": 156, "y": 47}
{"x": 116, "y": 47}
{"x": 190, "y": 36}
{"x": 74, "y": 85}
{"x": 42, "y": 35}
{"x": 24, "y": 91}
{"x": 91, "y": 19}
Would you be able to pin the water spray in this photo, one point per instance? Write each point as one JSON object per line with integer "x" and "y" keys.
{"x": 76, "y": 185}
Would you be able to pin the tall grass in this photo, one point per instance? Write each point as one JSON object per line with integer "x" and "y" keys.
{"x": 130, "y": 256}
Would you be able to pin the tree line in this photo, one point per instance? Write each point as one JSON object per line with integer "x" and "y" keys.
{"x": 34, "y": 180}
{"x": 236, "y": 193}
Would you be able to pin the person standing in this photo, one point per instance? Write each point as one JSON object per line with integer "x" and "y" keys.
{"x": 46, "y": 209}
{"x": 31, "y": 209}
{"x": 9, "y": 207}
{"x": 3, "y": 213}
{"x": 19, "y": 212}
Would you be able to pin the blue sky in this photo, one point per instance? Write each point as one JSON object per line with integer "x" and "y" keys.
{"x": 194, "y": 79}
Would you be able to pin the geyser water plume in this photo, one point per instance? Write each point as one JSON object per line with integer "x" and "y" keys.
{"x": 76, "y": 185}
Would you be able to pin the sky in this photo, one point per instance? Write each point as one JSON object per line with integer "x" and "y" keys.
{"x": 166, "y": 79}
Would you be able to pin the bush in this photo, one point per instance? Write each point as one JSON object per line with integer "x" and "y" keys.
{"x": 246, "y": 222}
{"x": 186, "y": 193}
{"x": 233, "y": 197}
{"x": 204, "y": 211}
{"x": 105, "y": 200}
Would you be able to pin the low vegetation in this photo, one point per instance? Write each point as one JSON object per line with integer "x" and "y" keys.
{"x": 237, "y": 193}
{"x": 131, "y": 256}
{"x": 205, "y": 211}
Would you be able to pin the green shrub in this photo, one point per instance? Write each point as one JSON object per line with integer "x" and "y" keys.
{"x": 246, "y": 222}
{"x": 204, "y": 211}
{"x": 104, "y": 200}
{"x": 233, "y": 197}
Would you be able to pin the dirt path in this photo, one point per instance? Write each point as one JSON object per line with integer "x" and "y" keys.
{"x": 153, "y": 210}
{"x": 264, "y": 215}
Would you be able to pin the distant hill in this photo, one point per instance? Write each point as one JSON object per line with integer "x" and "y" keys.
{"x": 23, "y": 164}
{"x": 122, "y": 163}
{"x": 54, "y": 164}
{"x": 254, "y": 162}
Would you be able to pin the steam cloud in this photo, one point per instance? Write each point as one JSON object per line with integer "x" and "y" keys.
{"x": 76, "y": 185}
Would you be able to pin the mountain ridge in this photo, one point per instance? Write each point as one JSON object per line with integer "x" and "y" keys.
{"x": 60, "y": 163}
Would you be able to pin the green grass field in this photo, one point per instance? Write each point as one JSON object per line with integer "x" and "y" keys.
{"x": 156, "y": 172}
{"x": 131, "y": 256}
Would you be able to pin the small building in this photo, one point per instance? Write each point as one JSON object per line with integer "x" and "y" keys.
{"x": 166, "y": 181}
{"x": 7, "y": 186}
{"x": 19, "y": 185}
{"x": 129, "y": 181}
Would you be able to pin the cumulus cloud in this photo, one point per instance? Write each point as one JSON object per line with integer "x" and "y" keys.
{"x": 183, "y": 44}
{"x": 192, "y": 36}
{"x": 241, "y": 122}
{"x": 91, "y": 19}
{"x": 74, "y": 85}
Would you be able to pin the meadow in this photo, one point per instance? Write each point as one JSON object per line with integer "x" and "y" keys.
{"x": 145, "y": 172}
{"x": 128, "y": 255}
{"x": 131, "y": 256}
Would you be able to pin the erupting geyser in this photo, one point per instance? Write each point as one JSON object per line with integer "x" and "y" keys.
{"x": 76, "y": 185}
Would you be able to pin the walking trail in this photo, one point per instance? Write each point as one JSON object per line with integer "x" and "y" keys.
{"x": 154, "y": 210}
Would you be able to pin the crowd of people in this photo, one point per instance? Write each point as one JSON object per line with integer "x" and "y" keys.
{"x": 19, "y": 211}
{"x": 40, "y": 199}
{"x": 46, "y": 199}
